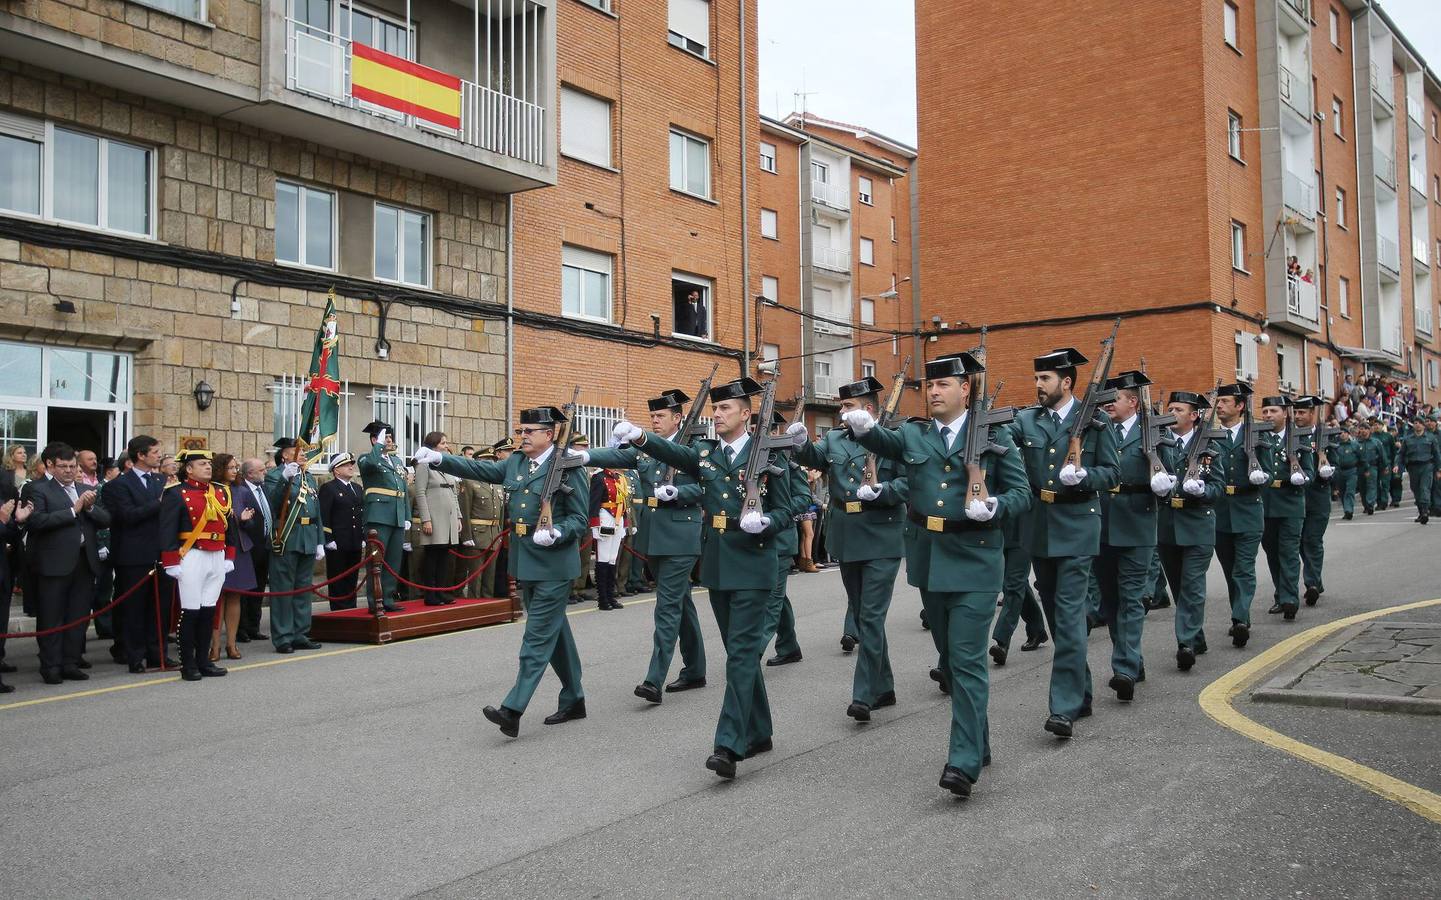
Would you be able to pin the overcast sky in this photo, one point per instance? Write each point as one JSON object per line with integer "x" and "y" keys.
{"x": 854, "y": 60}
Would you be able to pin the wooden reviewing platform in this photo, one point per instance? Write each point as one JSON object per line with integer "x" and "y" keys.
{"x": 414, "y": 619}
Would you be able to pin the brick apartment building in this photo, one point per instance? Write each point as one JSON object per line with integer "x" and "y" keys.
{"x": 835, "y": 258}
{"x": 1165, "y": 162}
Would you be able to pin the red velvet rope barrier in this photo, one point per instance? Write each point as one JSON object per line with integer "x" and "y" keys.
{"x": 86, "y": 620}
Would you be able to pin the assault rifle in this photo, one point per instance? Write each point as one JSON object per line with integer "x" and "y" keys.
{"x": 1322, "y": 439}
{"x": 1254, "y": 439}
{"x": 1200, "y": 440}
{"x": 1292, "y": 446}
{"x": 1096, "y": 395}
{"x": 690, "y": 427}
{"x": 1155, "y": 430}
{"x": 559, "y": 463}
{"x": 983, "y": 415}
{"x": 888, "y": 415}
{"x": 758, "y": 463}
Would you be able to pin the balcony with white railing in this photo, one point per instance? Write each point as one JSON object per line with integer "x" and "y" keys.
{"x": 836, "y": 196}
{"x": 830, "y": 326}
{"x": 1391, "y": 339}
{"x": 1301, "y": 297}
{"x": 1381, "y": 87}
{"x": 1388, "y": 254}
{"x": 1423, "y": 318}
{"x": 825, "y": 385}
{"x": 1385, "y": 168}
{"x": 1296, "y": 91}
{"x": 1421, "y": 251}
{"x": 1299, "y": 194}
{"x": 1418, "y": 181}
{"x": 1302, "y": 7}
{"x": 1413, "y": 109}
{"x": 832, "y": 259}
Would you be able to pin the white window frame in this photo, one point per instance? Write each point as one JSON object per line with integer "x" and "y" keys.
{"x": 201, "y": 16}
{"x": 596, "y": 422}
{"x": 1335, "y": 28}
{"x": 1338, "y": 112}
{"x": 1341, "y": 207}
{"x": 680, "y": 184}
{"x": 689, "y": 42}
{"x": 865, "y": 190}
{"x": 405, "y": 406}
{"x": 770, "y": 287}
{"x": 820, "y": 172}
{"x": 768, "y": 158}
{"x": 1238, "y": 246}
{"x": 868, "y": 368}
{"x": 300, "y": 225}
{"x": 602, "y": 5}
{"x": 400, "y": 251}
{"x": 707, "y": 286}
{"x": 286, "y": 398}
{"x": 1234, "y": 127}
{"x": 1343, "y": 294}
{"x": 1246, "y": 349}
{"x": 770, "y": 224}
{"x": 867, "y": 252}
{"x": 868, "y": 311}
{"x": 893, "y": 229}
{"x": 770, "y": 352}
{"x": 584, "y": 259}
{"x": 1231, "y": 25}
{"x": 573, "y": 150}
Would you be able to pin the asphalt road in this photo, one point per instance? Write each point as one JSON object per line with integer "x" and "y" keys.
{"x": 371, "y": 773}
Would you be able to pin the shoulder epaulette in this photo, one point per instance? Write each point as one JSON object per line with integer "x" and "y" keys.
{"x": 919, "y": 420}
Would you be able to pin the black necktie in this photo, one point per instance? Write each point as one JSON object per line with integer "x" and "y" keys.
{"x": 1120, "y": 431}
{"x": 946, "y": 436}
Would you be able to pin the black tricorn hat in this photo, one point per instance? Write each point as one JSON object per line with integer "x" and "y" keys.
{"x": 778, "y": 420}
{"x": 541, "y": 415}
{"x": 863, "y": 388}
{"x": 377, "y": 427}
{"x": 1277, "y": 400}
{"x": 671, "y": 399}
{"x": 1131, "y": 380}
{"x": 1239, "y": 389}
{"x": 954, "y": 365}
{"x": 1307, "y": 401}
{"x": 1060, "y": 358}
{"x": 741, "y": 387}
{"x": 1197, "y": 400}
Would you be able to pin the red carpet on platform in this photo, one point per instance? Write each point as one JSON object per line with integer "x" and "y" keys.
{"x": 414, "y": 619}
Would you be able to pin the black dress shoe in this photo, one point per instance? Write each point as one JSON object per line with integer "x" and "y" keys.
{"x": 115, "y": 654}
{"x": 1240, "y": 634}
{"x": 784, "y": 660}
{"x": 1201, "y": 647}
{"x": 211, "y": 670}
{"x": 392, "y": 607}
{"x": 616, "y": 604}
{"x": 137, "y": 668}
{"x": 763, "y": 745}
{"x": 648, "y": 692}
{"x": 575, "y": 711}
{"x": 1275, "y": 608}
{"x": 1346, "y": 517}
{"x": 925, "y": 622}
{"x": 884, "y": 700}
{"x": 848, "y": 643}
{"x": 955, "y": 781}
{"x": 1185, "y": 658}
{"x": 6, "y": 688}
{"x": 1370, "y": 512}
{"x": 435, "y": 603}
{"x": 7, "y": 668}
{"x": 307, "y": 644}
{"x": 1141, "y": 675}
{"x": 1060, "y": 726}
{"x": 999, "y": 653}
{"x": 84, "y": 663}
{"x": 507, "y": 718}
{"x": 679, "y": 685}
{"x": 1289, "y": 612}
{"x": 285, "y": 648}
{"x": 1312, "y": 595}
{"x": 722, "y": 762}
{"x": 1124, "y": 686}
{"x": 939, "y": 678}
{"x": 242, "y": 638}
{"x": 859, "y": 711}
{"x": 51, "y": 677}
{"x": 1033, "y": 643}
{"x": 73, "y": 673}
{"x": 190, "y": 674}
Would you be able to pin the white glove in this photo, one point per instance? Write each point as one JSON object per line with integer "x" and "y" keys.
{"x": 425, "y": 456}
{"x": 229, "y": 566}
{"x": 406, "y": 526}
{"x": 868, "y": 491}
{"x": 634, "y": 531}
{"x": 1195, "y": 487}
{"x": 331, "y": 545}
{"x": 626, "y": 433}
{"x": 582, "y": 455}
{"x": 406, "y": 546}
{"x": 380, "y": 437}
{"x": 173, "y": 571}
{"x": 1327, "y": 470}
{"x": 754, "y": 523}
{"x": 1259, "y": 476}
{"x": 103, "y": 553}
{"x": 546, "y": 537}
{"x": 667, "y": 492}
{"x": 798, "y": 433}
{"x": 1298, "y": 478}
{"x": 1072, "y": 475}
{"x": 595, "y": 532}
{"x": 467, "y": 543}
{"x": 981, "y": 510}
{"x": 319, "y": 552}
{"x": 290, "y": 470}
{"x": 1162, "y": 483}
{"x": 860, "y": 421}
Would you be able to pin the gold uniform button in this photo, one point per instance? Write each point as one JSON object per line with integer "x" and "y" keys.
{"x": 943, "y": 485}
{"x": 948, "y": 468}
{"x": 940, "y": 503}
{"x": 1053, "y": 450}
{"x": 725, "y": 496}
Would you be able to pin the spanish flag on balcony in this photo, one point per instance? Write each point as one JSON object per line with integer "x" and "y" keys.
{"x": 399, "y": 84}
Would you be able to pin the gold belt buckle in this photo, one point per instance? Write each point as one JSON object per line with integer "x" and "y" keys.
{"x": 853, "y": 506}
{"x": 1230, "y": 489}
{"x": 935, "y": 523}
{"x": 1276, "y": 483}
{"x": 1178, "y": 503}
{"x": 304, "y": 521}
{"x": 651, "y": 502}
{"x": 718, "y": 522}
{"x": 1048, "y": 496}
{"x": 521, "y": 528}
{"x": 1116, "y": 489}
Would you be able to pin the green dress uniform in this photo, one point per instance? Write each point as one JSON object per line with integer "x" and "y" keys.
{"x": 1434, "y": 434}
{"x": 1285, "y": 514}
{"x": 1313, "y": 527}
{"x": 865, "y": 538}
{"x": 1065, "y": 532}
{"x": 957, "y": 563}
{"x": 1186, "y": 538}
{"x": 670, "y": 538}
{"x": 1346, "y": 457}
{"x": 1369, "y": 468}
{"x": 780, "y": 615}
{"x": 543, "y": 573}
{"x": 1386, "y": 454}
{"x": 293, "y": 566}
{"x": 387, "y": 510}
{"x": 1240, "y": 514}
{"x": 1396, "y": 478}
{"x": 1419, "y": 457}
{"x": 738, "y": 567}
{"x": 482, "y": 510}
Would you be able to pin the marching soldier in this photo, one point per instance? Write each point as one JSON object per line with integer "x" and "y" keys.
{"x": 780, "y": 615}
{"x": 1065, "y": 524}
{"x": 1395, "y": 434}
{"x": 197, "y": 551}
{"x": 1419, "y": 456}
{"x": 1318, "y": 501}
{"x": 1240, "y": 512}
{"x": 1186, "y": 526}
{"x": 543, "y": 560}
{"x": 671, "y": 540}
{"x": 1128, "y": 534}
{"x": 1346, "y": 457}
{"x": 482, "y": 507}
{"x": 1285, "y": 511}
{"x": 1386, "y": 454}
{"x": 863, "y": 531}
{"x": 1018, "y": 601}
{"x": 738, "y": 560}
{"x": 955, "y": 556}
{"x": 1435, "y": 435}
{"x": 1368, "y": 450}
{"x": 298, "y": 542}
{"x": 387, "y": 506}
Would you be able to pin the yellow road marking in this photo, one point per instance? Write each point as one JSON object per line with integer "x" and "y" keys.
{"x": 358, "y": 648}
{"x": 1216, "y": 701}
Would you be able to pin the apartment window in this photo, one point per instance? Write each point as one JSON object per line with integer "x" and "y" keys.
{"x": 1231, "y": 17}
{"x": 20, "y": 174}
{"x": 585, "y": 127}
{"x": 597, "y": 422}
{"x": 769, "y": 227}
{"x": 1238, "y": 246}
{"x": 304, "y": 225}
{"x": 825, "y": 380}
{"x": 1326, "y": 378}
{"x": 1433, "y": 126}
{"x": 186, "y": 9}
{"x": 864, "y": 190}
{"x": 75, "y": 178}
{"x": 770, "y": 352}
{"x": 893, "y": 229}
{"x": 770, "y": 287}
{"x": 1336, "y": 115}
{"x": 415, "y": 411}
{"x": 585, "y": 283}
{"x": 1343, "y": 297}
{"x": 868, "y": 368}
{"x": 1246, "y": 360}
{"x": 402, "y": 245}
{"x": 1336, "y": 28}
{"x": 768, "y": 157}
{"x": 820, "y": 172}
{"x": 868, "y": 312}
{"x": 1436, "y": 187}
{"x": 690, "y": 26}
{"x": 602, "y": 5}
{"x": 689, "y": 164}
{"x": 690, "y": 304}
{"x": 1340, "y": 207}
{"x": 868, "y": 252}
{"x": 1233, "y": 134}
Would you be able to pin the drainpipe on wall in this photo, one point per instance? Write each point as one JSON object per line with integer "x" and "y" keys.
{"x": 745, "y": 207}
{"x": 509, "y": 315}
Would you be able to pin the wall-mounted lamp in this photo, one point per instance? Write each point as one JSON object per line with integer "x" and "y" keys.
{"x": 204, "y": 394}
{"x": 65, "y": 306}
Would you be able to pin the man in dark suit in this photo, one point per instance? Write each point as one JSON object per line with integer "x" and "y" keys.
{"x": 10, "y": 533}
{"x": 64, "y": 552}
{"x": 692, "y": 317}
{"x": 252, "y": 471}
{"x": 133, "y": 500}
{"x": 342, "y": 507}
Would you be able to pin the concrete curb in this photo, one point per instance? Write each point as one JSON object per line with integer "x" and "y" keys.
{"x": 1280, "y": 688}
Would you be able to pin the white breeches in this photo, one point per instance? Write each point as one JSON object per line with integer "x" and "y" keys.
{"x": 607, "y": 546}
{"x": 202, "y": 576}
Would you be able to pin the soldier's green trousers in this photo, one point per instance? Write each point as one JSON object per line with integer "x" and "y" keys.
{"x": 1237, "y": 555}
{"x": 745, "y": 718}
{"x": 1382, "y": 486}
{"x": 675, "y": 616}
{"x": 1395, "y": 488}
{"x": 869, "y": 585}
{"x": 1313, "y": 549}
{"x": 849, "y": 626}
{"x": 1157, "y": 580}
{"x": 1185, "y": 569}
{"x": 1018, "y": 601}
{"x": 959, "y": 624}
{"x": 394, "y": 540}
{"x": 1282, "y": 542}
{"x": 493, "y": 582}
{"x": 780, "y": 616}
{"x": 1368, "y": 487}
{"x": 1063, "y": 582}
{"x": 290, "y": 616}
{"x": 547, "y": 641}
{"x": 1421, "y": 488}
{"x": 1435, "y": 491}
{"x": 1346, "y": 484}
{"x": 1121, "y": 574}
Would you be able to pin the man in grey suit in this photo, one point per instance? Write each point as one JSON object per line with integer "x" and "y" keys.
{"x": 64, "y": 550}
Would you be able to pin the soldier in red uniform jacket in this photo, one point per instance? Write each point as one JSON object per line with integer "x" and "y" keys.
{"x": 608, "y": 502}
{"x": 198, "y": 550}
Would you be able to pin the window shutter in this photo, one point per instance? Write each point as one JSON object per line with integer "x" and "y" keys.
{"x": 691, "y": 19}
{"x": 584, "y": 127}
